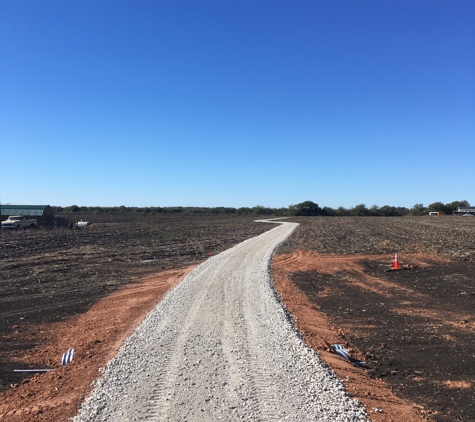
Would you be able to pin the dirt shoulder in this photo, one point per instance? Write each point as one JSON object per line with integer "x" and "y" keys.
{"x": 49, "y": 276}
{"x": 414, "y": 328}
{"x": 95, "y": 335}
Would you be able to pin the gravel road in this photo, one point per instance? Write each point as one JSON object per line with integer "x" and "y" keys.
{"x": 220, "y": 346}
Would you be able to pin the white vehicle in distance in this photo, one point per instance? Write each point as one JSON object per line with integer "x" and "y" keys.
{"x": 81, "y": 224}
{"x": 17, "y": 222}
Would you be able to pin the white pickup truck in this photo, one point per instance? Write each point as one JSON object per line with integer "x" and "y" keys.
{"x": 17, "y": 222}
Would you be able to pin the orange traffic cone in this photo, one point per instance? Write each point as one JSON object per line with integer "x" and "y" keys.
{"x": 396, "y": 263}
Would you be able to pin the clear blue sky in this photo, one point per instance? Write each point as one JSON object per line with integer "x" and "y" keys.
{"x": 237, "y": 103}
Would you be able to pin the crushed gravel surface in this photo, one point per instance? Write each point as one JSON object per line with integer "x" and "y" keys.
{"x": 48, "y": 276}
{"x": 220, "y": 346}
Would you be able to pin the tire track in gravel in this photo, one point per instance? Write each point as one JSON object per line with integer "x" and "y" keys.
{"x": 220, "y": 346}
{"x": 157, "y": 407}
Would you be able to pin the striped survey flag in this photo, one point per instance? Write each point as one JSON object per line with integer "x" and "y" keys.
{"x": 67, "y": 357}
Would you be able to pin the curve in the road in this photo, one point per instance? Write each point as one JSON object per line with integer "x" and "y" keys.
{"x": 220, "y": 347}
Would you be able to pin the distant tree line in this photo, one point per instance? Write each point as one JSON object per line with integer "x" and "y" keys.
{"x": 306, "y": 208}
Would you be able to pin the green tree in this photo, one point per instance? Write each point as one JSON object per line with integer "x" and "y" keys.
{"x": 375, "y": 210}
{"x": 452, "y": 206}
{"x": 342, "y": 212}
{"x": 417, "y": 210}
{"x": 438, "y": 206}
{"x": 328, "y": 211}
{"x": 307, "y": 208}
{"x": 360, "y": 211}
{"x": 261, "y": 210}
{"x": 244, "y": 211}
{"x": 387, "y": 211}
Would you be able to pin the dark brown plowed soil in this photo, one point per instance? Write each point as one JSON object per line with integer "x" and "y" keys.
{"x": 95, "y": 335}
{"x": 415, "y": 328}
{"x": 47, "y": 276}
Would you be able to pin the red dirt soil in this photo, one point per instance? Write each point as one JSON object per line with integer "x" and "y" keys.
{"x": 95, "y": 336}
{"x": 381, "y": 404}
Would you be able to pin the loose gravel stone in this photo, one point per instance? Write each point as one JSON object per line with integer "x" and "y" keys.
{"x": 220, "y": 346}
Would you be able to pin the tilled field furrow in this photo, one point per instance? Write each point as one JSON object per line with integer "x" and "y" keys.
{"x": 220, "y": 347}
{"x": 61, "y": 305}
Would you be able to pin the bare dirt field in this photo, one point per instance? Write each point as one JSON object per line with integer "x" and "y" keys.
{"x": 47, "y": 276}
{"x": 415, "y": 328}
{"x": 96, "y": 335}
{"x": 89, "y": 288}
